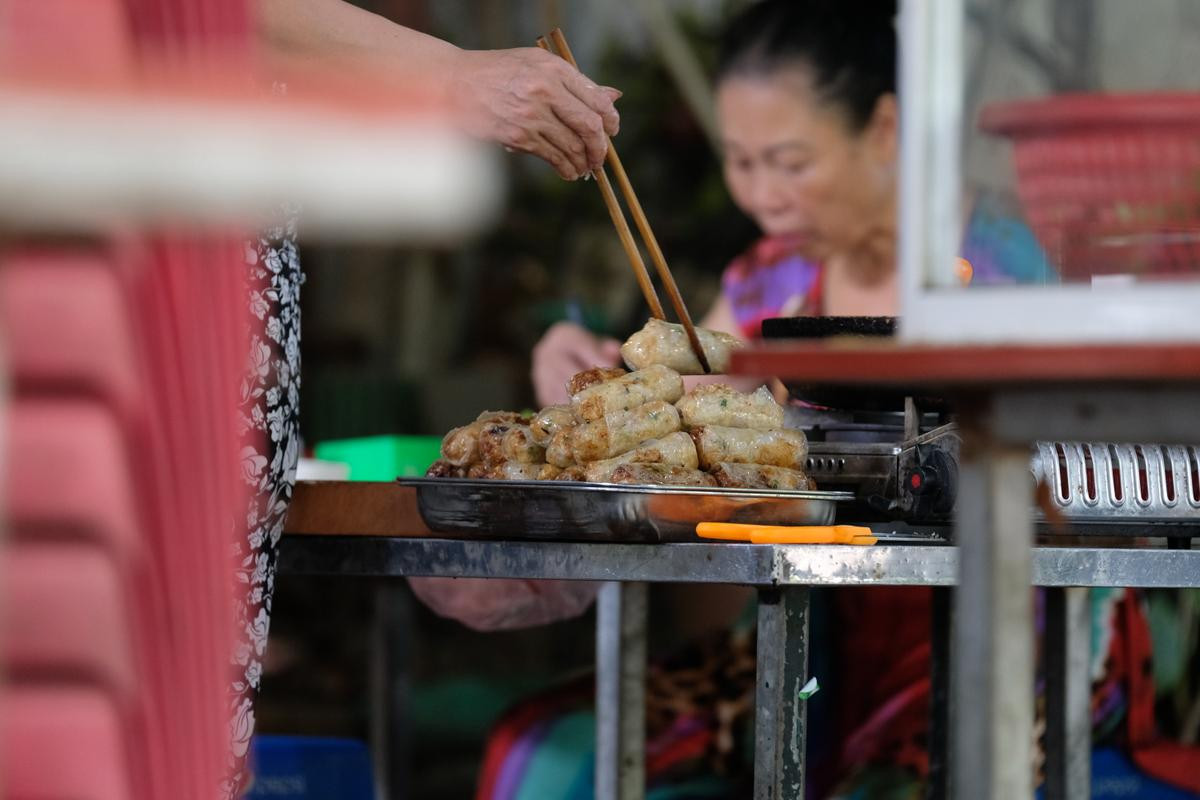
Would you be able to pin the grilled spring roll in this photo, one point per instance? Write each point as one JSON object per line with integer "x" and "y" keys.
{"x": 502, "y": 441}
{"x": 621, "y": 431}
{"x": 666, "y": 343}
{"x": 676, "y": 450}
{"x": 520, "y": 471}
{"x": 760, "y": 476}
{"x": 549, "y": 421}
{"x": 591, "y": 377}
{"x": 444, "y": 469}
{"x": 660, "y": 475}
{"x": 461, "y": 445}
{"x": 575, "y": 473}
{"x": 655, "y": 382}
{"x": 480, "y": 470}
{"x": 718, "y": 404}
{"x": 558, "y": 451}
{"x": 780, "y": 448}
{"x": 502, "y": 416}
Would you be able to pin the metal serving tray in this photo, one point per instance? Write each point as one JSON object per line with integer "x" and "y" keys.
{"x": 494, "y": 509}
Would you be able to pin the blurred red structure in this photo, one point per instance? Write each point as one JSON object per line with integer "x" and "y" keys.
{"x": 1110, "y": 183}
{"x": 122, "y": 487}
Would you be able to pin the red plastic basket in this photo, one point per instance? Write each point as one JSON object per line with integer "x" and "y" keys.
{"x": 1110, "y": 183}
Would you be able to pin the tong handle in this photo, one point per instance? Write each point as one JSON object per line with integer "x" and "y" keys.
{"x": 779, "y": 534}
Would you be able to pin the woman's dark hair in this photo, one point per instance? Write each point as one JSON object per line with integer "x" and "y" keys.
{"x": 849, "y": 46}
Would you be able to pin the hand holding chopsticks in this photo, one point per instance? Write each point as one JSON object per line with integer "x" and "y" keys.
{"x": 643, "y": 225}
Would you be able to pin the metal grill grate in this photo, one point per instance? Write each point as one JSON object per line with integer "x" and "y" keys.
{"x": 1121, "y": 482}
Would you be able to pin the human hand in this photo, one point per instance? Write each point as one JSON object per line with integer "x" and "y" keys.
{"x": 533, "y": 101}
{"x": 485, "y": 604}
{"x": 563, "y": 351}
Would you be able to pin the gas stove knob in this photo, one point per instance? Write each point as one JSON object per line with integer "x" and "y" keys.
{"x": 923, "y": 480}
{"x": 932, "y": 483}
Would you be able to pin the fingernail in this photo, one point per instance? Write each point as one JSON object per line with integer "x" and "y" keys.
{"x": 616, "y": 94}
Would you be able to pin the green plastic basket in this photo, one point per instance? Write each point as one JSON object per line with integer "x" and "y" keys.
{"x": 382, "y": 458}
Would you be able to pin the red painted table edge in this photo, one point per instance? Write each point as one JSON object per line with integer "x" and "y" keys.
{"x": 874, "y": 363}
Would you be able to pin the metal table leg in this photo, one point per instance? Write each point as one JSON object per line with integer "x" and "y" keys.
{"x": 779, "y": 726}
{"x": 388, "y": 676}
{"x": 940, "y": 769}
{"x": 1068, "y": 694}
{"x": 621, "y": 691}
{"x": 993, "y": 626}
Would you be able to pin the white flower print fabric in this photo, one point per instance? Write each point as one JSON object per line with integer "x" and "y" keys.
{"x": 269, "y": 421}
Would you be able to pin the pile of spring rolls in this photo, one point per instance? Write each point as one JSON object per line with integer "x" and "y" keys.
{"x": 639, "y": 428}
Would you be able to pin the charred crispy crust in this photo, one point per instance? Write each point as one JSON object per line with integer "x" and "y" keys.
{"x": 591, "y": 377}
{"x": 444, "y": 469}
{"x": 660, "y": 475}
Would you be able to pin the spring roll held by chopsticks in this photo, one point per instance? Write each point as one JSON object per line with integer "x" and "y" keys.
{"x": 667, "y": 344}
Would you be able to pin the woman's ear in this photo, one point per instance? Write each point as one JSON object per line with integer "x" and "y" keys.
{"x": 882, "y": 134}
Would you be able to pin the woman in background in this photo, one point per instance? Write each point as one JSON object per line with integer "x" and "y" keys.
{"x": 809, "y": 117}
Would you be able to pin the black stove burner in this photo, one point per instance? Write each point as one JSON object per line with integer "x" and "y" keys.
{"x": 826, "y": 327}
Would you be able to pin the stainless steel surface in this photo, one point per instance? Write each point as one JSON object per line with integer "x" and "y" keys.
{"x": 1068, "y": 694}
{"x": 1121, "y": 484}
{"x": 605, "y": 512}
{"x": 1097, "y": 487}
{"x": 993, "y": 633}
{"x": 869, "y": 467}
{"x": 1166, "y": 414}
{"x": 780, "y": 715}
{"x": 816, "y": 565}
{"x": 876, "y": 471}
{"x": 621, "y": 610}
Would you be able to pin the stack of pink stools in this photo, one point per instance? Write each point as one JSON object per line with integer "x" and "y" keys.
{"x": 121, "y": 355}
{"x": 122, "y": 495}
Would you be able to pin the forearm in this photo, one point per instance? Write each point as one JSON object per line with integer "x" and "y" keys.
{"x": 524, "y": 98}
{"x": 336, "y": 32}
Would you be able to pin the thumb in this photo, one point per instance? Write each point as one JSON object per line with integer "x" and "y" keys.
{"x": 613, "y": 94}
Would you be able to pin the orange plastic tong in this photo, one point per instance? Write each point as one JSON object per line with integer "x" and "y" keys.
{"x": 777, "y": 534}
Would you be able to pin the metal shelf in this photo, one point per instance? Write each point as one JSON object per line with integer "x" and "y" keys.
{"x": 755, "y": 565}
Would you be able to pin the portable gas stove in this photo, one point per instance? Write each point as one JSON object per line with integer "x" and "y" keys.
{"x": 899, "y": 454}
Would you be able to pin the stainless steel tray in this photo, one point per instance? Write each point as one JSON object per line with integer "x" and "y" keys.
{"x": 492, "y": 509}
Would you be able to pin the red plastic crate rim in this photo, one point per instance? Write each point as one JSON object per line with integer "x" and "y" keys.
{"x": 1110, "y": 183}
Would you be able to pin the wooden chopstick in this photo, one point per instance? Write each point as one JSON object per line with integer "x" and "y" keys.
{"x": 623, "y": 232}
{"x": 643, "y": 224}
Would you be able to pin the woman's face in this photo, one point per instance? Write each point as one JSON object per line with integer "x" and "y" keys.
{"x": 794, "y": 165}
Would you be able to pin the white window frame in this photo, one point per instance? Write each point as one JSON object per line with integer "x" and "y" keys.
{"x": 932, "y": 69}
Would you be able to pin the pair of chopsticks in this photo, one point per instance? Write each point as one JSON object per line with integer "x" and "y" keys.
{"x": 774, "y": 534}
{"x": 643, "y": 226}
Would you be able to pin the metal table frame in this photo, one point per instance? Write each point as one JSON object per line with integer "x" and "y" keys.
{"x": 782, "y": 575}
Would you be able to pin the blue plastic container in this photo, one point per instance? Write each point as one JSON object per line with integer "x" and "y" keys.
{"x": 310, "y": 768}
